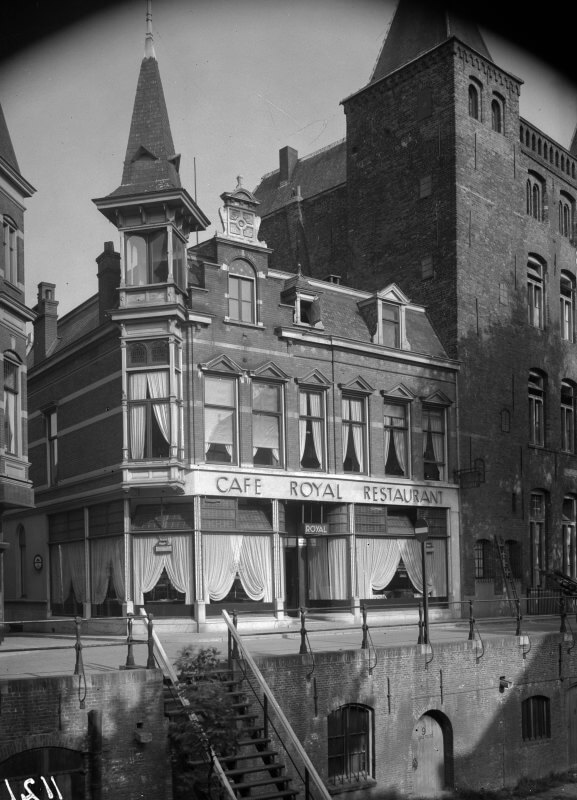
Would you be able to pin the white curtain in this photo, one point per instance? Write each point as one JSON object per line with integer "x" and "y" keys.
{"x": 316, "y": 427}
{"x": 248, "y": 556}
{"x": 399, "y": 440}
{"x": 106, "y": 562}
{"x": 357, "y": 417}
{"x": 158, "y": 387}
{"x": 265, "y": 434}
{"x": 148, "y": 565}
{"x": 67, "y": 569}
{"x": 437, "y": 568}
{"x": 328, "y": 569}
{"x": 302, "y": 424}
{"x": 412, "y": 559}
{"x": 377, "y": 562}
{"x": 137, "y": 391}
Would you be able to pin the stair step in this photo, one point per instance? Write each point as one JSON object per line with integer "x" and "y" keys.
{"x": 242, "y": 771}
{"x": 256, "y": 741}
{"x": 264, "y": 782}
{"x": 246, "y": 756}
{"x": 280, "y": 793}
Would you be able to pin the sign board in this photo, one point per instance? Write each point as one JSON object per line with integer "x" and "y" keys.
{"x": 38, "y": 562}
{"x": 314, "y": 529}
{"x": 421, "y": 529}
{"x": 163, "y": 546}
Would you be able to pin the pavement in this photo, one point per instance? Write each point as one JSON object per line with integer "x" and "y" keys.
{"x": 26, "y": 655}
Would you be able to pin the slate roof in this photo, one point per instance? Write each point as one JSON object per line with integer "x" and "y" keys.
{"x": 151, "y": 164}
{"x": 419, "y": 27}
{"x": 312, "y": 174}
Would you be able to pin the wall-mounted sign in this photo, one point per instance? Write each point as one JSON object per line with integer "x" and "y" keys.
{"x": 163, "y": 546}
{"x": 38, "y": 562}
{"x": 314, "y": 529}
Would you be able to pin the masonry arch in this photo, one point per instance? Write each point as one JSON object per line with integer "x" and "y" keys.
{"x": 47, "y": 771}
{"x": 432, "y": 754}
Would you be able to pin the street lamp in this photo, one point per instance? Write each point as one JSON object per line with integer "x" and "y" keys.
{"x": 421, "y": 535}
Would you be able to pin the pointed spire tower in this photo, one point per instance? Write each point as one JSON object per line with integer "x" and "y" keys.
{"x": 150, "y": 208}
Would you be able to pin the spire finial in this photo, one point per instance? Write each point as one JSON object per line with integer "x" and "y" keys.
{"x": 239, "y": 181}
{"x": 148, "y": 42}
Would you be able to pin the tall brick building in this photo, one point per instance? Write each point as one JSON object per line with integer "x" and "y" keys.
{"x": 441, "y": 187}
{"x": 210, "y": 432}
{"x": 15, "y": 485}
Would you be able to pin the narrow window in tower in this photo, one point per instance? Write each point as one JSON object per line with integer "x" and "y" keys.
{"x": 474, "y": 101}
{"x": 537, "y": 537}
{"x": 567, "y": 306}
{"x": 10, "y": 252}
{"x": 149, "y": 417}
{"x": 497, "y": 106}
{"x": 536, "y": 408}
{"x": 569, "y": 535}
{"x": 146, "y": 258}
{"x": 535, "y": 293}
{"x": 568, "y": 416}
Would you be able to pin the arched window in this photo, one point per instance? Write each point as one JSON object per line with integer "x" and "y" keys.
{"x": 567, "y": 306}
{"x": 568, "y": 417}
{"x": 537, "y": 408}
{"x": 484, "y": 560}
{"x": 538, "y": 536}
{"x": 566, "y": 214}
{"x": 350, "y": 744}
{"x": 497, "y": 106}
{"x": 535, "y": 293}
{"x": 536, "y": 196}
{"x": 241, "y": 292}
{"x": 536, "y": 718}
{"x": 474, "y": 101}
{"x": 568, "y": 535}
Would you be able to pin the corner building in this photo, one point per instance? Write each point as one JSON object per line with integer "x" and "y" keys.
{"x": 446, "y": 191}
{"x": 207, "y": 432}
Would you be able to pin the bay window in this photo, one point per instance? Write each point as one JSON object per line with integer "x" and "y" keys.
{"x": 267, "y": 425}
{"x": 220, "y": 424}
{"x": 311, "y": 429}
{"x": 150, "y": 255}
{"x": 11, "y": 407}
{"x": 354, "y": 434}
{"x": 149, "y": 417}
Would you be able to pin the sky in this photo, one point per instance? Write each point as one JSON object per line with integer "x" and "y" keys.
{"x": 241, "y": 80}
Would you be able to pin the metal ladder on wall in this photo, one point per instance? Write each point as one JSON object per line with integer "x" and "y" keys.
{"x": 510, "y": 586}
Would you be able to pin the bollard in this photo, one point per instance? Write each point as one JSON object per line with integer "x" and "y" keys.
{"x": 563, "y": 613}
{"x": 303, "y": 648}
{"x": 130, "y": 653}
{"x": 364, "y": 643}
{"x": 420, "y": 639}
{"x": 79, "y": 666}
{"x": 150, "y": 661}
{"x": 471, "y": 622}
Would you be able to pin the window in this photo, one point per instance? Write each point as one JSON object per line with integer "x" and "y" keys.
{"x": 536, "y": 408}
{"x": 354, "y": 434}
{"x": 497, "y": 115}
{"x": 567, "y": 417}
{"x": 535, "y": 293}
{"x": 396, "y": 427}
{"x": 567, "y": 302}
{"x": 10, "y": 252}
{"x": 484, "y": 560}
{"x": 566, "y": 206}
{"x": 220, "y": 424}
{"x": 391, "y": 325}
{"x": 311, "y": 429}
{"x": 349, "y": 740}
{"x": 51, "y": 423}
{"x": 11, "y": 407}
{"x": 267, "y": 427}
{"x": 434, "y": 443}
{"x": 474, "y": 101}
{"x": 149, "y": 418}
{"x": 307, "y": 310}
{"x": 536, "y": 718}
{"x": 568, "y": 535}
{"x": 146, "y": 258}
{"x": 535, "y": 188}
{"x": 537, "y": 536}
{"x": 241, "y": 292}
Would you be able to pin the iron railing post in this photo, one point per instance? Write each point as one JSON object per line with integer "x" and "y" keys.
{"x": 420, "y": 639}
{"x": 130, "y": 647}
{"x": 365, "y": 642}
{"x": 303, "y": 648}
{"x": 78, "y": 666}
{"x": 471, "y": 622}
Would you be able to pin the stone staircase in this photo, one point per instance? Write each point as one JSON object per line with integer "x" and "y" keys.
{"x": 255, "y": 768}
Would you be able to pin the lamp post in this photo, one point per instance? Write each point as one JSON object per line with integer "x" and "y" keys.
{"x": 421, "y": 535}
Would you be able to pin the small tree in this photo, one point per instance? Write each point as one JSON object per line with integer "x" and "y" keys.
{"x": 213, "y": 727}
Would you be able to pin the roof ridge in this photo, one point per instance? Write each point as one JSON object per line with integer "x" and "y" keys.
{"x": 305, "y": 158}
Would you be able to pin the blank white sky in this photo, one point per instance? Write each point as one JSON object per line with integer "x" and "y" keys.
{"x": 241, "y": 80}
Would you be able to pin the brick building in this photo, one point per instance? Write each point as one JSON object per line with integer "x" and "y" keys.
{"x": 15, "y": 485}
{"x": 441, "y": 188}
{"x": 213, "y": 432}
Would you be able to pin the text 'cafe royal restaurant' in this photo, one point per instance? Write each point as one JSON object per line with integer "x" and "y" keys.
{"x": 276, "y": 543}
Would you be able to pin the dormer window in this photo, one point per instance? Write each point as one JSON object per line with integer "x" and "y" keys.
{"x": 307, "y": 310}
{"x": 149, "y": 256}
{"x": 391, "y": 325}
{"x": 384, "y": 314}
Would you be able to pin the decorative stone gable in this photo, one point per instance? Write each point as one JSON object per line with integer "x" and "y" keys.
{"x": 238, "y": 215}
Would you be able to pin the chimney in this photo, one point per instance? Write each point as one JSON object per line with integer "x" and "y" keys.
{"x": 46, "y": 322}
{"x": 108, "y": 280}
{"x": 288, "y": 158}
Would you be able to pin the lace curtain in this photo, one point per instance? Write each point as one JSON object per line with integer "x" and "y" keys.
{"x": 249, "y": 557}
{"x": 67, "y": 569}
{"x": 154, "y": 385}
{"x": 106, "y": 564}
{"x": 148, "y": 565}
{"x": 328, "y": 569}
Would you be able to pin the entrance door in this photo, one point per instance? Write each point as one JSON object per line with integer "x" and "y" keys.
{"x": 428, "y": 758}
{"x": 571, "y": 711}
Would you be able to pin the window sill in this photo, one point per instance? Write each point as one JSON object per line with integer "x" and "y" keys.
{"x": 350, "y": 786}
{"x": 241, "y": 324}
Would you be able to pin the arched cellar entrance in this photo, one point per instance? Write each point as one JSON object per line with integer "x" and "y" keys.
{"x": 432, "y": 755}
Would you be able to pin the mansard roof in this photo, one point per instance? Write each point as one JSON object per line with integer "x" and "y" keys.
{"x": 418, "y": 27}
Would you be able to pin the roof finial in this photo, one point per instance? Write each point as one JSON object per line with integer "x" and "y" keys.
{"x": 148, "y": 42}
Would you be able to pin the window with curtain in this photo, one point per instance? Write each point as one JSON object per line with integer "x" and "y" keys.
{"x": 220, "y": 424}
{"x": 311, "y": 429}
{"x": 568, "y": 416}
{"x": 535, "y": 294}
{"x": 350, "y": 744}
{"x": 149, "y": 418}
{"x": 536, "y": 392}
{"x": 327, "y": 559}
{"x": 267, "y": 424}
{"x": 567, "y": 306}
{"x": 434, "y": 443}
{"x": 12, "y": 432}
{"x": 149, "y": 565}
{"x": 536, "y": 718}
{"x": 568, "y": 535}
{"x": 537, "y": 537}
{"x": 396, "y": 428}
{"x": 67, "y": 577}
{"x": 107, "y": 569}
{"x": 354, "y": 433}
{"x": 146, "y": 257}
{"x": 237, "y": 558}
